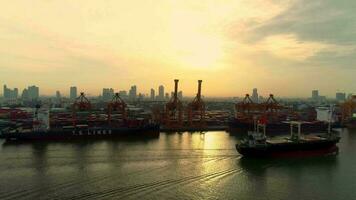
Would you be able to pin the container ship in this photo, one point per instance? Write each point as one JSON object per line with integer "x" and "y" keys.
{"x": 248, "y": 114}
{"x": 82, "y": 122}
{"x": 297, "y": 145}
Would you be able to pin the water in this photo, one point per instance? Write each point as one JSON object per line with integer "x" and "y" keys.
{"x": 175, "y": 166}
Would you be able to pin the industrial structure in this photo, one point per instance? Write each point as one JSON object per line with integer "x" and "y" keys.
{"x": 116, "y": 110}
{"x": 196, "y": 109}
{"x": 173, "y": 112}
{"x": 348, "y": 112}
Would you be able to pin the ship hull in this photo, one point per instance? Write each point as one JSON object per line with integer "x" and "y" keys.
{"x": 322, "y": 147}
{"x": 90, "y": 133}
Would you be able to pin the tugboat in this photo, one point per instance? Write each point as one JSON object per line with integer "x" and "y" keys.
{"x": 297, "y": 145}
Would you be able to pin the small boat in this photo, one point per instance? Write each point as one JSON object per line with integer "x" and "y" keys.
{"x": 297, "y": 145}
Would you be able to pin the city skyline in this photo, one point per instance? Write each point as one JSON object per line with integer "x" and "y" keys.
{"x": 280, "y": 47}
{"x": 133, "y": 93}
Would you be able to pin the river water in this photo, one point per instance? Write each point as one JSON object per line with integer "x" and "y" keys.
{"x": 173, "y": 166}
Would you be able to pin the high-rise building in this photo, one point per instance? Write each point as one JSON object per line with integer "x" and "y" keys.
{"x": 5, "y": 91}
{"x": 15, "y": 93}
{"x": 161, "y": 93}
{"x": 315, "y": 95}
{"x": 73, "y": 93}
{"x": 254, "y": 96}
{"x": 133, "y": 93}
{"x": 340, "y": 96}
{"x": 24, "y": 95}
{"x": 58, "y": 94}
{"x": 108, "y": 94}
{"x": 152, "y": 94}
{"x": 33, "y": 92}
{"x": 10, "y": 93}
{"x": 123, "y": 94}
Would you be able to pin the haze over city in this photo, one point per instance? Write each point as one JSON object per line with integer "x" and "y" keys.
{"x": 283, "y": 47}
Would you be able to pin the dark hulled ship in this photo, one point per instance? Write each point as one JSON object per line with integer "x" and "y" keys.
{"x": 82, "y": 122}
{"x": 297, "y": 145}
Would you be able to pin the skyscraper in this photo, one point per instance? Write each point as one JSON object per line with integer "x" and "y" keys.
{"x": 33, "y": 92}
{"x": 108, "y": 94}
{"x": 73, "y": 92}
{"x": 152, "y": 94}
{"x": 123, "y": 94}
{"x": 58, "y": 94}
{"x": 161, "y": 93}
{"x": 315, "y": 94}
{"x": 340, "y": 96}
{"x": 10, "y": 93}
{"x": 133, "y": 93}
{"x": 24, "y": 94}
{"x": 254, "y": 96}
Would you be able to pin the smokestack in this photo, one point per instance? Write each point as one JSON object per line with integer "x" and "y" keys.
{"x": 175, "y": 88}
{"x": 199, "y": 88}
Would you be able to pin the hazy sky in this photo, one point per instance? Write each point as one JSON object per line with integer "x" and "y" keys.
{"x": 285, "y": 47}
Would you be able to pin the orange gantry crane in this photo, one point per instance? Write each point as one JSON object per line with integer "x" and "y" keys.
{"x": 271, "y": 105}
{"x": 196, "y": 109}
{"x": 118, "y": 106}
{"x": 246, "y": 105}
{"x": 173, "y": 113}
{"x": 348, "y": 109}
{"x": 81, "y": 103}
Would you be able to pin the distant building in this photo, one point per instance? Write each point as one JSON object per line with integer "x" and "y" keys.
{"x": 254, "y": 96}
{"x": 152, "y": 94}
{"x": 33, "y": 92}
{"x": 123, "y": 94}
{"x": 340, "y": 96}
{"x": 161, "y": 93}
{"x": 24, "y": 95}
{"x": 133, "y": 93}
{"x": 167, "y": 96}
{"x": 315, "y": 95}
{"x": 58, "y": 94}
{"x": 73, "y": 92}
{"x": 10, "y": 93}
{"x": 108, "y": 94}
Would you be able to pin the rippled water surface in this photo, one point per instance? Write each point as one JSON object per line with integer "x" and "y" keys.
{"x": 173, "y": 166}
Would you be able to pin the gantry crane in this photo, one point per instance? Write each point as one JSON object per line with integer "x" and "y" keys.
{"x": 246, "y": 105}
{"x": 173, "y": 115}
{"x": 348, "y": 109}
{"x": 118, "y": 105}
{"x": 81, "y": 103}
{"x": 271, "y": 105}
{"x": 196, "y": 109}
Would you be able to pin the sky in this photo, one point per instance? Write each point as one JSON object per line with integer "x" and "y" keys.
{"x": 284, "y": 47}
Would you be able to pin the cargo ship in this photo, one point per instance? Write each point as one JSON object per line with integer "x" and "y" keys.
{"x": 81, "y": 132}
{"x": 249, "y": 113}
{"x": 297, "y": 145}
{"x": 80, "y": 122}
